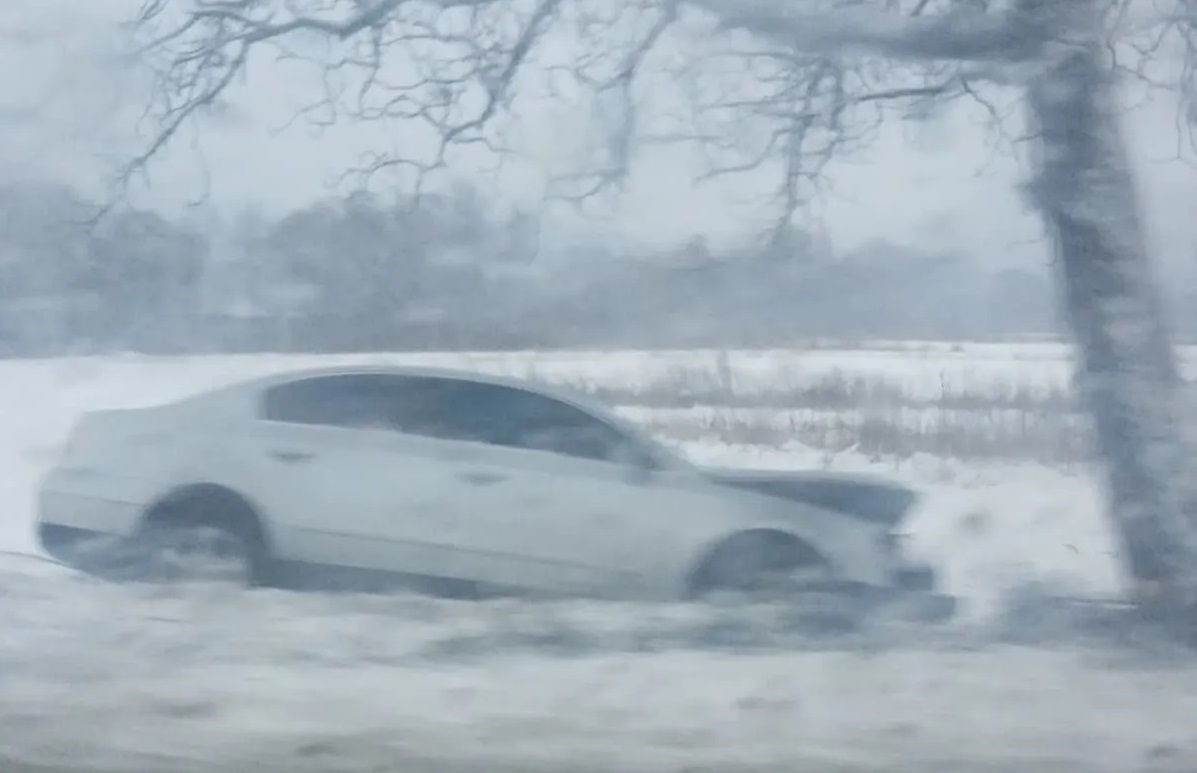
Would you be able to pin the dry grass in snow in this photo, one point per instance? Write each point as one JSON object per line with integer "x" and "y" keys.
{"x": 875, "y": 414}
{"x": 966, "y": 401}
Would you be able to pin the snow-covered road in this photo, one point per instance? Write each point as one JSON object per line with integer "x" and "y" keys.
{"x": 101, "y": 677}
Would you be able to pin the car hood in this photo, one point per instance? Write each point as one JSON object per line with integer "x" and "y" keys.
{"x": 863, "y": 498}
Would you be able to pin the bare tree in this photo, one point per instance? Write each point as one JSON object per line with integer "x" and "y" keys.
{"x": 786, "y": 84}
{"x": 1087, "y": 193}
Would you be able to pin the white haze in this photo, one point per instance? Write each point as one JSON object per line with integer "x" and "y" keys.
{"x": 75, "y": 113}
{"x": 108, "y": 678}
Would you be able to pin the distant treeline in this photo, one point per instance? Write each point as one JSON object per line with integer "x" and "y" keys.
{"x": 363, "y": 273}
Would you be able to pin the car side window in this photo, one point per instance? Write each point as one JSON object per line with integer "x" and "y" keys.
{"x": 504, "y": 416}
{"x": 451, "y": 409}
{"x": 350, "y": 401}
{"x": 532, "y": 421}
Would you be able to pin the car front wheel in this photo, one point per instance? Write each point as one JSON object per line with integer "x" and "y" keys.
{"x": 761, "y": 566}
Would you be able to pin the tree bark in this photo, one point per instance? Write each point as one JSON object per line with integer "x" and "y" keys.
{"x": 1127, "y": 368}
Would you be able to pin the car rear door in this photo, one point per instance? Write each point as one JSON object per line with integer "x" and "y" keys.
{"x": 342, "y": 487}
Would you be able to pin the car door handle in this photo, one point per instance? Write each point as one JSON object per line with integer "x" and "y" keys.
{"x": 292, "y": 457}
{"x": 482, "y": 478}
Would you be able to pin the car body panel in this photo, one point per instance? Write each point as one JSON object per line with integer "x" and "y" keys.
{"x": 516, "y": 517}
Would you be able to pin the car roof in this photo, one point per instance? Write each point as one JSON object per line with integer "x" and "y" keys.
{"x": 251, "y": 388}
{"x": 409, "y": 371}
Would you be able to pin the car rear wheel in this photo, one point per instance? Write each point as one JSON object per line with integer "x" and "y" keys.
{"x": 197, "y": 552}
{"x": 202, "y": 534}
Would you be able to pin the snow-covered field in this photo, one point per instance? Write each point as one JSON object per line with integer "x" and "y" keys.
{"x": 102, "y": 677}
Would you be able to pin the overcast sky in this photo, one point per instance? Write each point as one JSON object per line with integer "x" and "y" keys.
{"x": 64, "y": 112}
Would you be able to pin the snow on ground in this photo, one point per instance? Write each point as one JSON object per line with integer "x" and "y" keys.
{"x": 103, "y": 677}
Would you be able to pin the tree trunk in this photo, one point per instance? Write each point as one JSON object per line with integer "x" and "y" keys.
{"x": 1127, "y": 369}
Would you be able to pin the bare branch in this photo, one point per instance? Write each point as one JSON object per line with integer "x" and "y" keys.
{"x": 779, "y": 86}
{"x": 787, "y": 111}
{"x": 467, "y": 55}
{"x": 955, "y": 36}
{"x": 619, "y": 84}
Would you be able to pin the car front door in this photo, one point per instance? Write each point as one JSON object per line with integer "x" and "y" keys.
{"x": 548, "y": 496}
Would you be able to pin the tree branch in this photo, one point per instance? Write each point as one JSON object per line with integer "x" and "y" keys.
{"x": 777, "y": 84}
{"x": 955, "y": 36}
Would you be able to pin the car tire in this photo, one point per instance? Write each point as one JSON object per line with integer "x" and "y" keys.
{"x": 760, "y": 566}
{"x": 192, "y": 550}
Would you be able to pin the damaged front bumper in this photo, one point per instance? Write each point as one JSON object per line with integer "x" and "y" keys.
{"x": 912, "y": 594}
